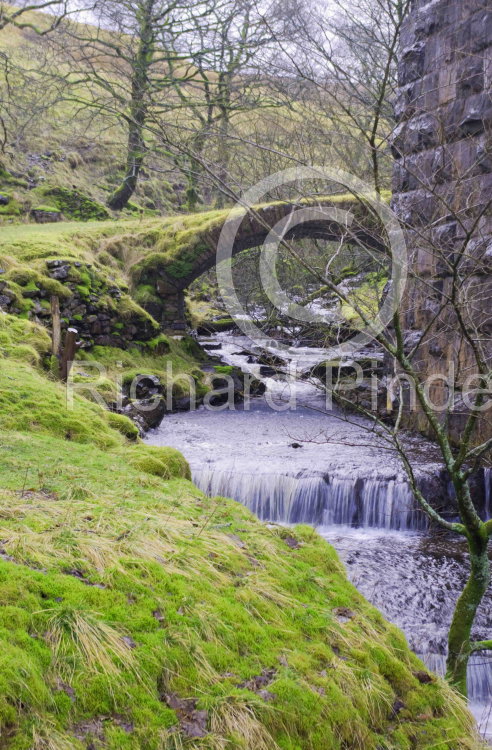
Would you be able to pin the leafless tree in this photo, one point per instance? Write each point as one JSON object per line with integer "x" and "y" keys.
{"x": 340, "y": 62}
{"x": 438, "y": 355}
{"x": 229, "y": 51}
{"x": 121, "y": 66}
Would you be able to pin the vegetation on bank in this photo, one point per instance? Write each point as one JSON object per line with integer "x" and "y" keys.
{"x": 138, "y": 613}
{"x": 127, "y": 254}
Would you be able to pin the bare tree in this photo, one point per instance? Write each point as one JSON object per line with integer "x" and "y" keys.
{"x": 344, "y": 59}
{"x": 229, "y": 52}
{"x": 449, "y": 400}
{"x": 121, "y": 66}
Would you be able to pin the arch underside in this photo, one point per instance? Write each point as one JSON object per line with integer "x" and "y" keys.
{"x": 306, "y": 231}
{"x": 171, "y": 289}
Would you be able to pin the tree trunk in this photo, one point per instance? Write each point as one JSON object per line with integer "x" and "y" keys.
{"x": 459, "y": 650}
{"x": 223, "y": 155}
{"x": 193, "y": 189}
{"x": 141, "y": 66}
{"x": 134, "y": 161}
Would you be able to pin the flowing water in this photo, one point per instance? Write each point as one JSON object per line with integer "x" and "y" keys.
{"x": 331, "y": 470}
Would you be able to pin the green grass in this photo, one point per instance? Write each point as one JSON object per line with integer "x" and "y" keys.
{"x": 176, "y": 368}
{"x": 121, "y": 584}
{"x": 124, "y": 590}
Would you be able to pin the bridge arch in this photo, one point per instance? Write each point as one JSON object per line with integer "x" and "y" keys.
{"x": 184, "y": 248}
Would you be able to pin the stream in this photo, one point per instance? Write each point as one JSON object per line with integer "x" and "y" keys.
{"x": 331, "y": 471}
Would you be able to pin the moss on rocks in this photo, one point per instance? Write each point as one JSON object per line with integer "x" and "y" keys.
{"x": 161, "y": 462}
{"x": 75, "y": 205}
{"x": 124, "y": 425}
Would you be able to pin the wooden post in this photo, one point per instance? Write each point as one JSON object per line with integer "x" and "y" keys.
{"x": 55, "y": 326}
{"x": 68, "y": 353}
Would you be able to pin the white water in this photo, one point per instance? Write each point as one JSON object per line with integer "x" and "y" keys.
{"x": 320, "y": 500}
{"x": 344, "y": 481}
{"x": 488, "y": 493}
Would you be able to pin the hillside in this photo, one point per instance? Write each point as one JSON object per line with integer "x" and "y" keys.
{"x": 138, "y": 613}
{"x": 73, "y": 140}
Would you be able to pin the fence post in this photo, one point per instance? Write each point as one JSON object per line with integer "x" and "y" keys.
{"x": 68, "y": 353}
{"x": 55, "y": 326}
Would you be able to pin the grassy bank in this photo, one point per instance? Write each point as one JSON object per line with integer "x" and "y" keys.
{"x": 137, "y": 613}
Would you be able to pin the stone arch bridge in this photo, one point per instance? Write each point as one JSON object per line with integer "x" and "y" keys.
{"x": 183, "y": 248}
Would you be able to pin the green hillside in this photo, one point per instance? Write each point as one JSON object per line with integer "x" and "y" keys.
{"x": 137, "y": 613}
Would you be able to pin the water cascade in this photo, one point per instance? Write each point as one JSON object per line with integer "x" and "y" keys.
{"x": 488, "y": 492}
{"x": 318, "y": 499}
{"x": 479, "y": 674}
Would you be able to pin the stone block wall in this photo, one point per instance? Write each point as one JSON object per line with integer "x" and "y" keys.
{"x": 442, "y": 188}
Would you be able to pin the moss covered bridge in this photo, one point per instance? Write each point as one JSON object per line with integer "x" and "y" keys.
{"x": 121, "y": 281}
{"x": 179, "y": 250}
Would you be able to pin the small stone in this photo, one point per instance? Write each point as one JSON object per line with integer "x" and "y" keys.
{"x": 121, "y": 722}
{"x": 398, "y": 705}
{"x": 66, "y": 688}
{"x": 60, "y": 273}
{"x": 423, "y": 677}
{"x": 344, "y": 614}
{"x": 237, "y": 540}
{"x": 193, "y": 722}
{"x": 196, "y": 725}
{"x": 292, "y": 542}
{"x": 266, "y": 695}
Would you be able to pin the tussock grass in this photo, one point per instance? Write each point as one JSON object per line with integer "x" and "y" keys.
{"x": 76, "y": 632}
{"x": 235, "y": 720}
{"x": 46, "y": 736}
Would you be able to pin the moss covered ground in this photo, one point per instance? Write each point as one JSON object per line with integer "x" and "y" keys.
{"x": 138, "y": 613}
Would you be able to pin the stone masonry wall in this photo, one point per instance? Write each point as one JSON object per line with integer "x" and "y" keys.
{"x": 443, "y": 185}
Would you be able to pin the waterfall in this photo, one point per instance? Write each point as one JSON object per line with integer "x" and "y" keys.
{"x": 479, "y": 676}
{"x": 317, "y": 499}
{"x": 487, "y": 478}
